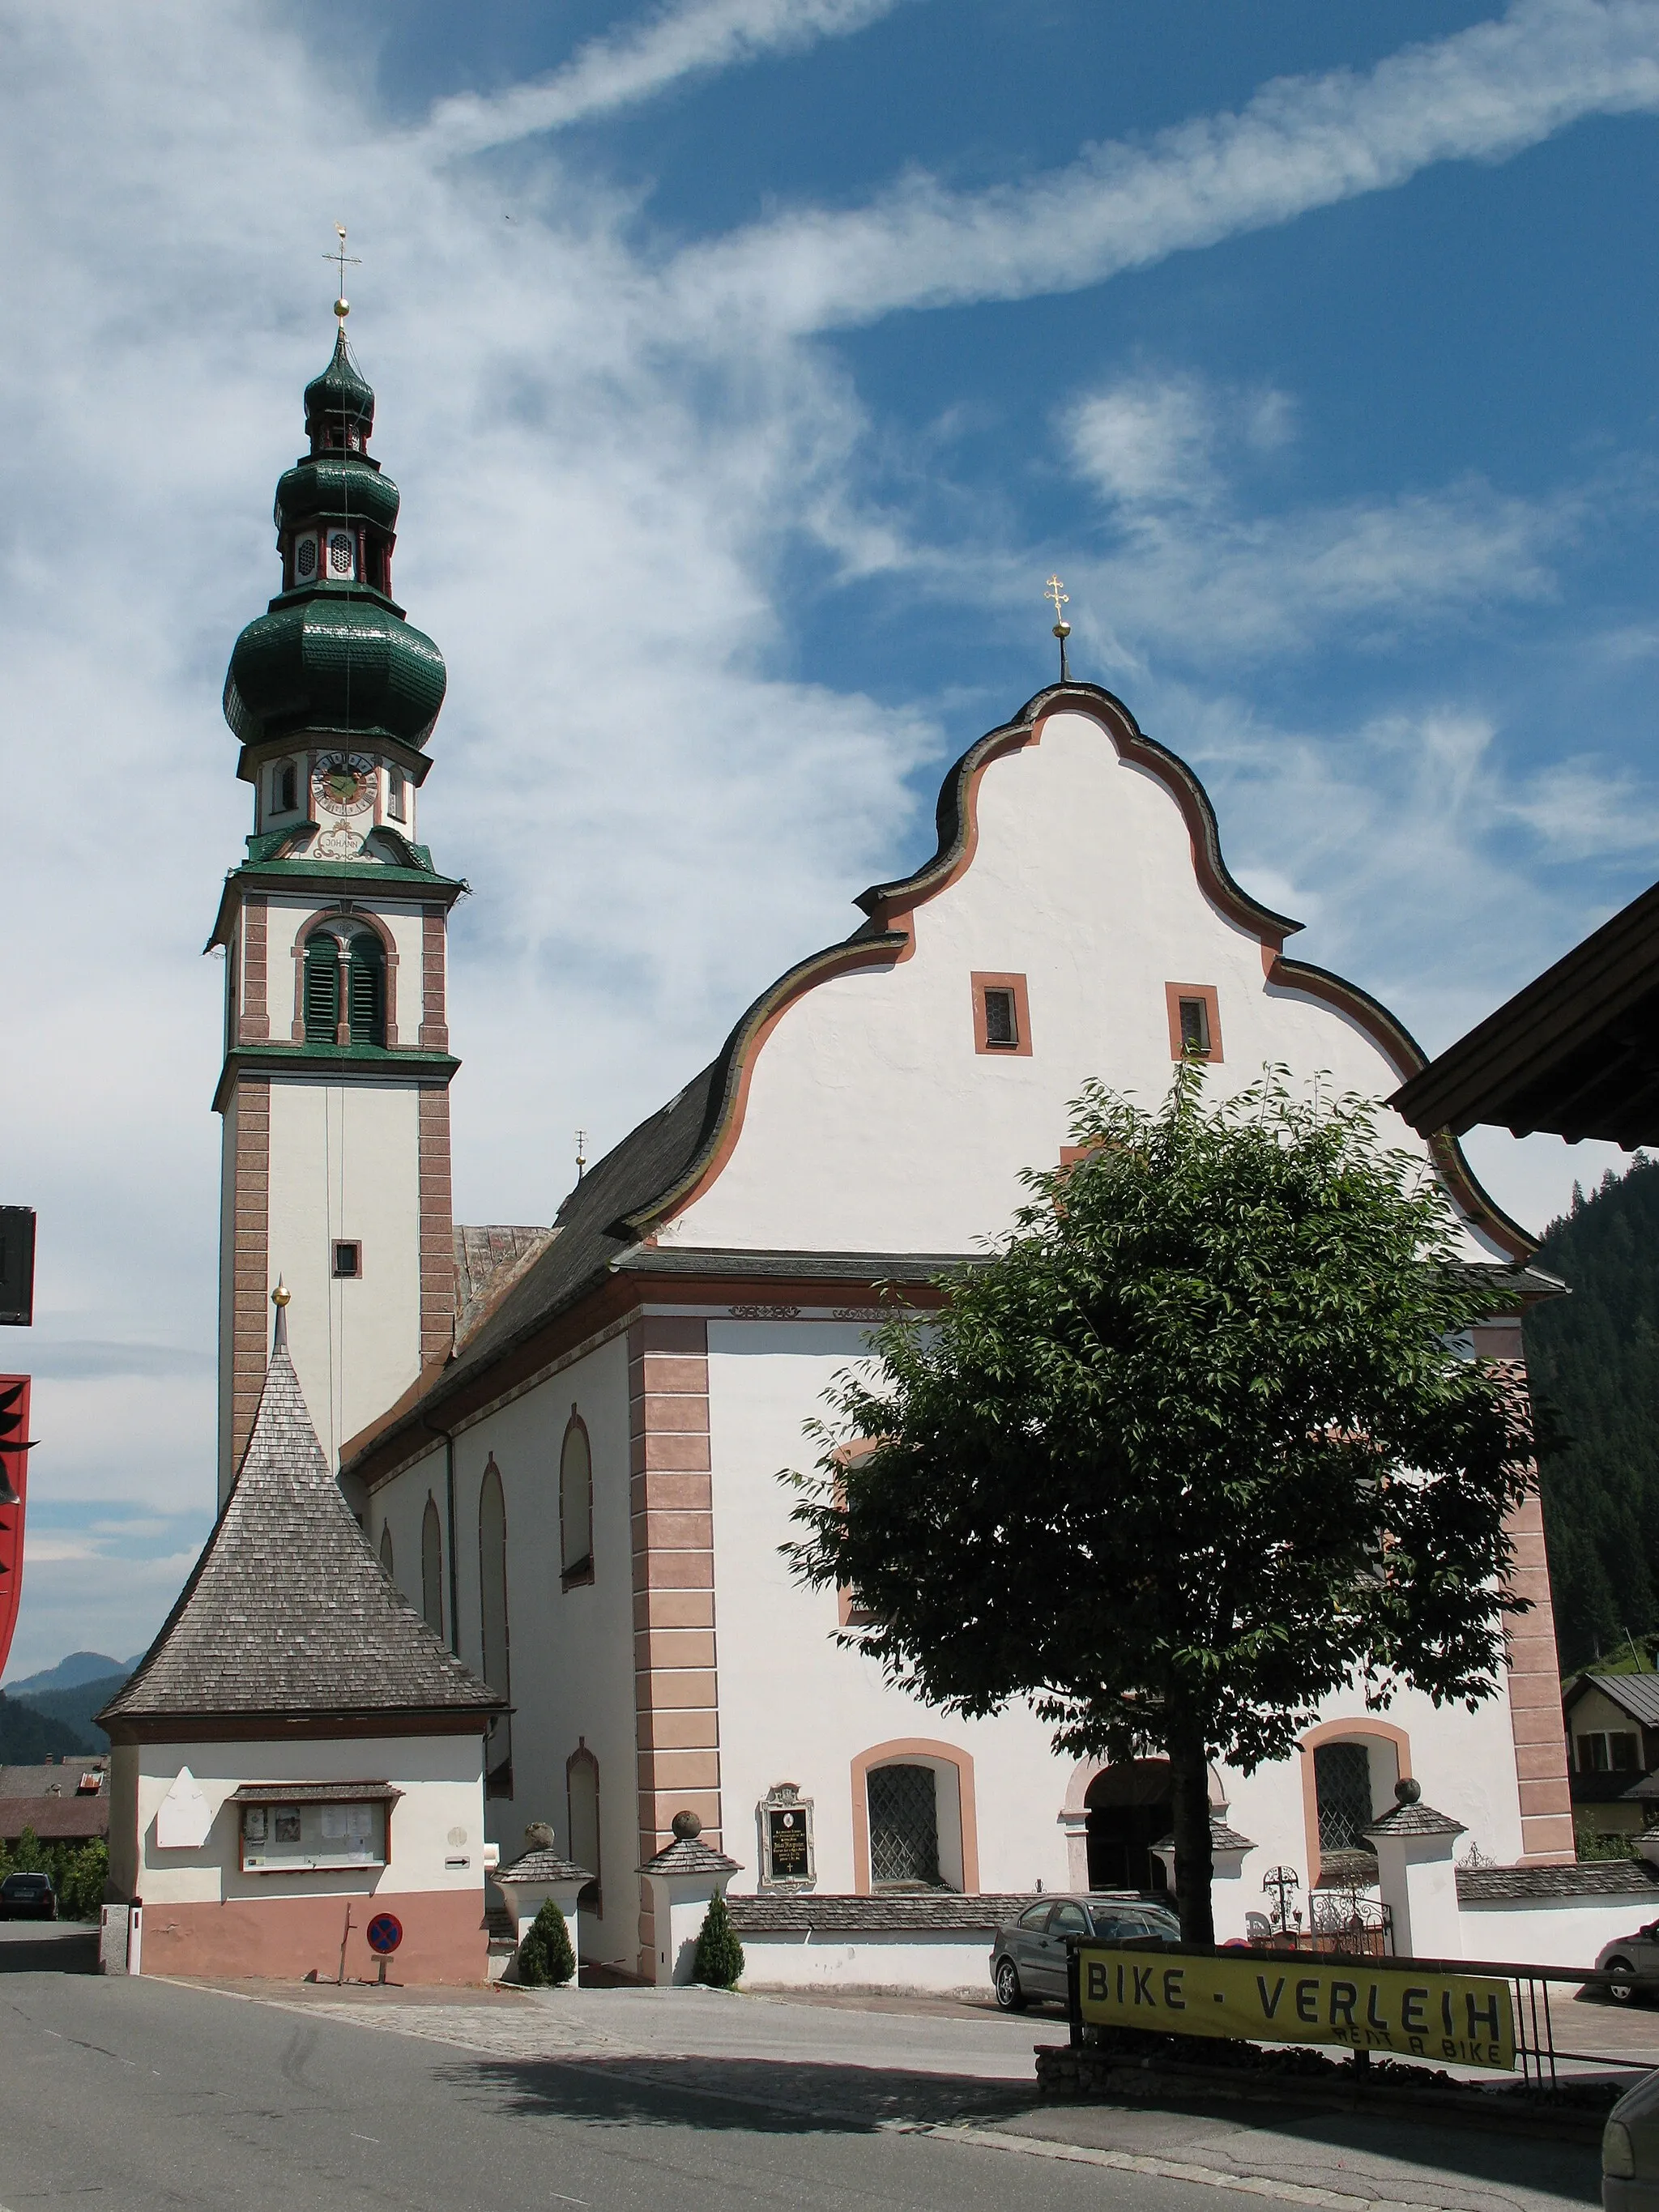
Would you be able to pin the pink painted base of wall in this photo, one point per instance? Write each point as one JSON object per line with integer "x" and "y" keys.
{"x": 283, "y": 1939}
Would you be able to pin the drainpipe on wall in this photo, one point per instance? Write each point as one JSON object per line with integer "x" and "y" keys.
{"x": 431, "y": 1426}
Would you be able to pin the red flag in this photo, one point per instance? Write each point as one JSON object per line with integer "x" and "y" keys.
{"x": 14, "y": 1490}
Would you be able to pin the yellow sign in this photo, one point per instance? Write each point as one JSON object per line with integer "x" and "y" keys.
{"x": 1461, "y": 2020}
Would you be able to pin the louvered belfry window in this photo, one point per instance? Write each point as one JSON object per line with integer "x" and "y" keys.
{"x": 367, "y": 991}
{"x": 322, "y": 990}
{"x": 904, "y": 1827}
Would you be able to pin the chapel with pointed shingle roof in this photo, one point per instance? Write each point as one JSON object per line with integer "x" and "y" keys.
{"x": 287, "y": 1613}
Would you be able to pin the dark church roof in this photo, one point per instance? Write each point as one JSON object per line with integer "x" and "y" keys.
{"x": 288, "y": 1616}
{"x": 1576, "y": 1053}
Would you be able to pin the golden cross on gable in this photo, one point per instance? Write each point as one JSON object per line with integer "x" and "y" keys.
{"x": 1052, "y": 590}
{"x": 338, "y": 254}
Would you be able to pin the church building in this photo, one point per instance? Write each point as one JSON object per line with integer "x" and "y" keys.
{"x": 564, "y": 1445}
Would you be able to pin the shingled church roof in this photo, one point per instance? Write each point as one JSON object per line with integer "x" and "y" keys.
{"x": 289, "y": 1614}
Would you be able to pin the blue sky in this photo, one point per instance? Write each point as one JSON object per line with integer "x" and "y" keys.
{"x": 746, "y": 365}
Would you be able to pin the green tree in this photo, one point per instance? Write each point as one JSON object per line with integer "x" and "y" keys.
{"x": 546, "y": 1960}
{"x": 1189, "y": 1452}
{"x": 1594, "y": 1358}
{"x": 719, "y": 1961}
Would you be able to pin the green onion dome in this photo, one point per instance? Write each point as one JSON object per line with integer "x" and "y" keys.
{"x": 337, "y": 487}
{"x": 340, "y": 399}
{"x": 333, "y": 661}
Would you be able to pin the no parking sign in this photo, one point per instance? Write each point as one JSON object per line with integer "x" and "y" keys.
{"x": 384, "y": 1932}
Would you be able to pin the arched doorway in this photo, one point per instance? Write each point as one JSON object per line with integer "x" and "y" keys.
{"x": 1129, "y": 1810}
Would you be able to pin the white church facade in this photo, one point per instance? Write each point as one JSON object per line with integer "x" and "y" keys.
{"x": 564, "y": 1446}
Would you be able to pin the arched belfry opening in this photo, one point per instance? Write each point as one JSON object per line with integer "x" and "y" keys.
{"x": 1130, "y": 1808}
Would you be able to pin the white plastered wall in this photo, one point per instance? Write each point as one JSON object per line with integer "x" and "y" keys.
{"x": 571, "y": 1651}
{"x": 345, "y": 1164}
{"x": 796, "y": 1708}
{"x": 441, "y": 1778}
{"x": 873, "y": 1124}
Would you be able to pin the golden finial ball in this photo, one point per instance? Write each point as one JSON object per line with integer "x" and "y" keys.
{"x": 342, "y": 308}
{"x": 281, "y": 1295}
{"x": 1062, "y": 629}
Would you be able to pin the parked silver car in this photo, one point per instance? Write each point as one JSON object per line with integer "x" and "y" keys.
{"x": 1629, "y": 2151}
{"x": 1635, "y": 1959}
{"x": 1027, "y": 1957}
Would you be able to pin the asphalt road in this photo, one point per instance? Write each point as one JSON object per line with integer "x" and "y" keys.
{"x": 135, "y": 2094}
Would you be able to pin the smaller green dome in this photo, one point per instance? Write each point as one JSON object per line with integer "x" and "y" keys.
{"x": 336, "y": 488}
{"x": 333, "y": 662}
{"x": 340, "y": 394}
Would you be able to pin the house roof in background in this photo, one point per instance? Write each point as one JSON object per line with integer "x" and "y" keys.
{"x": 1635, "y": 1694}
{"x": 1575, "y": 1054}
{"x": 56, "y": 1777}
{"x": 67, "y": 1820}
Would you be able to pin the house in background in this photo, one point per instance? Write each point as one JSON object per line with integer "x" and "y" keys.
{"x": 64, "y": 1801}
{"x": 1612, "y": 1750}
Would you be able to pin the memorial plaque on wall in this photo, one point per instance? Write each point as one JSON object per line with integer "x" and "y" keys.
{"x": 786, "y": 1840}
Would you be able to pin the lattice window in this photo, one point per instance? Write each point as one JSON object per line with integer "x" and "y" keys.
{"x": 1342, "y": 1789}
{"x": 904, "y": 1827}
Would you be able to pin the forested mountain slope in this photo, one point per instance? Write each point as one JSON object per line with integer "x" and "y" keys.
{"x": 1594, "y": 1359}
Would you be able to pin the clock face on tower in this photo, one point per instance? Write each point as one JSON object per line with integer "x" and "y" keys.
{"x": 344, "y": 783}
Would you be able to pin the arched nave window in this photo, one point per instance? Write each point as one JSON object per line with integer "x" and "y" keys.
{"x": 577, "y": 1502}
{"x": 432, "y": 1569}
{"x": 385, "y": 1549}
{"x": 492, "y": 1610}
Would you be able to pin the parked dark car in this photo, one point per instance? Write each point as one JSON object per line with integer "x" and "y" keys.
{"x": 27, "y": 1896}
{"x": 1635, "y": 1959}
{"x": 1028, "y": 1956}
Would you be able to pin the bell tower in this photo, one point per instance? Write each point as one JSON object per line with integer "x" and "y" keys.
{"x": 335, "y": 1088}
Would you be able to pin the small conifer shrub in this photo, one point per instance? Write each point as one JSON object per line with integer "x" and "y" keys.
{"x": 719, "y": 1954}
{"x": 545, "y": 1958}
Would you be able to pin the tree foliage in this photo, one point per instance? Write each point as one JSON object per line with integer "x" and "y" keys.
{"x": 719, "y": 1961}
{"x": 78, "y": 1871}
{"x": 546, "y": 1960}
{"x": 1593, "y": 1357}
{"x": 1187, "y": 1453}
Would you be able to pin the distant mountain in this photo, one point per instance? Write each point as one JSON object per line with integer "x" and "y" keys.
{"x": 1594, "y": 1362}
{"x": 74, "y": 1709}
{"x": 28, "y": 1736}
{"x": 79, "y": 1667}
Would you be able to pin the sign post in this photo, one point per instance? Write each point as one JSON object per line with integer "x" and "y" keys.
{"x": 385, "y": 1933}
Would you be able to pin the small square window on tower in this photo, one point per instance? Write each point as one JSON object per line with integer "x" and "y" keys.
{"x": 1194, "y": 1014}
{"x": 348, "y": 1260}
{"x": 1002, "y": 1022}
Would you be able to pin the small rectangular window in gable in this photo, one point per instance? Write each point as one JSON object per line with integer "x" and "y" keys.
{"x": 348, "y": 1260}
{"x": 1001, "y": 1023}
{"x": 1194, "y": 1014}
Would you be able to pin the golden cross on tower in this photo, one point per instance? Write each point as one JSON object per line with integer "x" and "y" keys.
{"x": 338, "y": 254}
{"x": 1056, "y": 591}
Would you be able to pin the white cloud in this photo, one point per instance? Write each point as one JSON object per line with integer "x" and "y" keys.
{"x": 604, "y": 466}
{"x": 1303, "y": 143}
{"x": 625, "y": 67}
